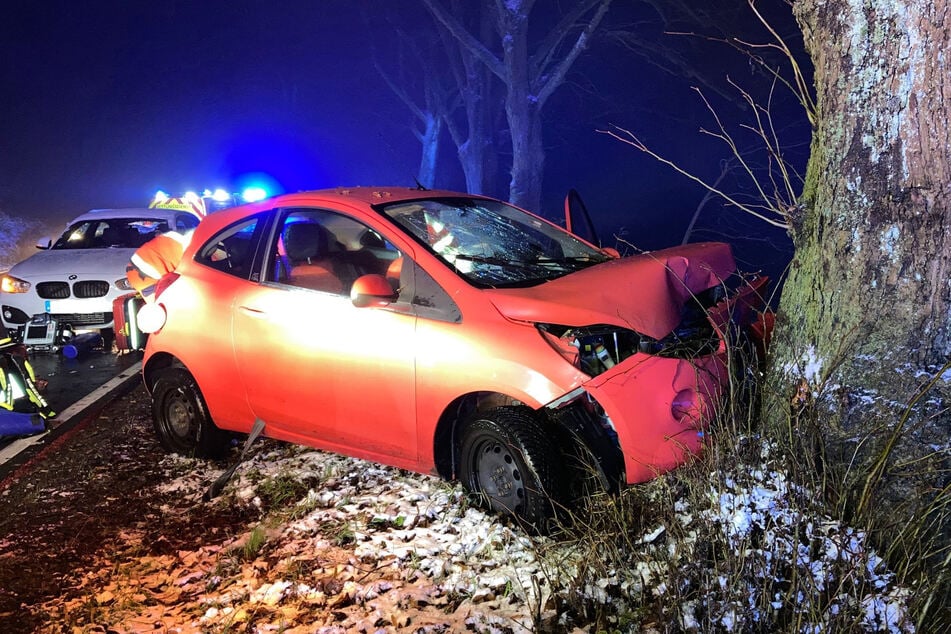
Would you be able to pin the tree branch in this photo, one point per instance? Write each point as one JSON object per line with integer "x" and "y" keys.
{"x": 462, "y": 34}
{"x": 550, "y": 43}
{"x": 626, "y": 136}
{"x": 551, "y": 81}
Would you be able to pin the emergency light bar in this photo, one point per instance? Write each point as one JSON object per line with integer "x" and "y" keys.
{"x": 208, "y": 200}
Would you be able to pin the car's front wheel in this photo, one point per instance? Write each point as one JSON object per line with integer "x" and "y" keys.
{"x": 507, "y": 459}
{"x": 181, "y": 417}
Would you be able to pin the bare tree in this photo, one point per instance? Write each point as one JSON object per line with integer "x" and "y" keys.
{"x": 529, "y": 71}
{"x": 425, "y": 92}
{"x": 864, "y": 339}
{"x": 860, "y": 377}
{"x": 476, "y": 121}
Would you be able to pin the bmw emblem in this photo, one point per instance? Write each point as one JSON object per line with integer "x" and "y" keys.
{"x": 72, "y": 277}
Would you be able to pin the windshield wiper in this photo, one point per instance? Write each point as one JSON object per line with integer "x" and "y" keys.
{"x": 567, "y": 263}
{"x": 482, "y": 259}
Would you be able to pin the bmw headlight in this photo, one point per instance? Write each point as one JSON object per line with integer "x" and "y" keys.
{"x": 10, "y": 284}
{"x": 123, "y": 284}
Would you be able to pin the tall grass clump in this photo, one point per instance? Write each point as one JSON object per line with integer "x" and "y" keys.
{"x": 740, "y": 541}
{"x": 901, "y": 499}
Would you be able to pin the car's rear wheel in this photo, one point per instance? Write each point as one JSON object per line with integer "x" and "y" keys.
{"x": 181, "y": 417}
{"x": 510, "y": 463}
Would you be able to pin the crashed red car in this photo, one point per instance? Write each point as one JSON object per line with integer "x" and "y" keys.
{"x": 443, "y": 333}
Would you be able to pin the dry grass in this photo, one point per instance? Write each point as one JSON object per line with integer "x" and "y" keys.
{"x": 745, "y": 540}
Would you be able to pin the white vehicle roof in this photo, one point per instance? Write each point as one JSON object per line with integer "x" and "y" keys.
{"x": 130, "y": 212}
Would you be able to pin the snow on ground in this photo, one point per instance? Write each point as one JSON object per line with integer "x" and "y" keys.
{"x": 421, "y": 536}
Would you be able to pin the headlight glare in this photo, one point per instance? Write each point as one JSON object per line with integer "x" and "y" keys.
{"x": 10, "y": 284}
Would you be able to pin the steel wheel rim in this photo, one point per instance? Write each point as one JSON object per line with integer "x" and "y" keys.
{"x": 499, "y": 476}
{"x": 179, "y": 415}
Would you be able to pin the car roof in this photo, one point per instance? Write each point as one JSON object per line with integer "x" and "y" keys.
{"x": 379, "y": 195}
{"x": 129, "y": 212}
{"x": 341, "y": 195}
{"x": 362, "y": 194}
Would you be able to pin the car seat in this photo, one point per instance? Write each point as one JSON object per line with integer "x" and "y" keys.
{"x": 349, "y": 265}
{"x": 307, "y": 245}
{"x": 111, "y": 236}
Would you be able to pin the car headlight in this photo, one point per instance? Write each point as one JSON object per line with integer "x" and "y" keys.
{"x": 591, "y": 349}
{"x": 123, "y": 284}
{"x": 10, "y": 284}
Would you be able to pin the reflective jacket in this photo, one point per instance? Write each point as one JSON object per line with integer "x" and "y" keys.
{"x": 154, "y": 259}
{"x": 18, "y": 391}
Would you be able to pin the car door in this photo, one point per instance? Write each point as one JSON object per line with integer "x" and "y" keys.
{"x": 317, "y": 369}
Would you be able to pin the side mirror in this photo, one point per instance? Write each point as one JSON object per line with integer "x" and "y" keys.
{"x": 372, "y": 290}
{"x": 44, "y": 243}
{"x": 611, "y": 251}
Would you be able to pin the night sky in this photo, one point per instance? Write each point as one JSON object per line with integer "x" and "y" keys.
{"x": 106, "y": 101}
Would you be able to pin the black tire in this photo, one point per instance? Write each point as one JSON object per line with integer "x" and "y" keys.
{"x": 510, "y": 463}
{"x": 181, "y": 419}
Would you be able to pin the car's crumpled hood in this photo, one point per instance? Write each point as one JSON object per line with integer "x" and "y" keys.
{"x": 643, "y": 292}
{"x": 108, "y": 264}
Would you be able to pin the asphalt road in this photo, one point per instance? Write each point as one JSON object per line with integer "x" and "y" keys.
{"x": 76, "y": 389}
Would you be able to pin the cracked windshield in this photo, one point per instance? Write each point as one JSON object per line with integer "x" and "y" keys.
{"x": 493, "y": 244}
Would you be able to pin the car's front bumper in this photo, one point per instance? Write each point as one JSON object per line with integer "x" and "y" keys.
{"x": 658, "y": 408}
{"x": 16, "y": 310}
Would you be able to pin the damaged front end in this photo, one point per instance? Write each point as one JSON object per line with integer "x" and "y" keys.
{"x": 649, "y": 402}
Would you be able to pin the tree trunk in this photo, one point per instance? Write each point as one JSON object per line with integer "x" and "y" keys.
{"x": 522, "y": 110}
{"x": 864, "y": 321}
{"x": 429, "y": 137}
{"x": 528, "y": 155}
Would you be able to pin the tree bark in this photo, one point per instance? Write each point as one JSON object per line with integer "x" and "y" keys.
{"x": 429, "y": 138}
{"x": 864, "y": 321}
{"x": 474, "y": 133}
{"x": 521, "y": 109}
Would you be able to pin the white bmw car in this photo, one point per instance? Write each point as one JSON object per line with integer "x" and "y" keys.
{"x": 75, "y": 277}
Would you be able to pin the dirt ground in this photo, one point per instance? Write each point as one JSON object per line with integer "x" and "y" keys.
{"x": 64, "y": 512}
{"x": 105, "y": 532}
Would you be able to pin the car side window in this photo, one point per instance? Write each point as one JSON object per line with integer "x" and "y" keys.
{"x": 186, "y": 222}
{"x": 232, "y": 250}
{"x": 327, "y": 251}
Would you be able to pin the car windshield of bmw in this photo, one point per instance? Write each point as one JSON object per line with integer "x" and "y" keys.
{"x": 104, "y": 233}
{"x": 491, "y": 244}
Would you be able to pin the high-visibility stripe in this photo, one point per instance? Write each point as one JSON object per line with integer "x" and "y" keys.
{"x": 181, "y": 238}
{"x": 143, "y": 267}
{"x": 156, "y": 258}
{"x": 16, "y": 380}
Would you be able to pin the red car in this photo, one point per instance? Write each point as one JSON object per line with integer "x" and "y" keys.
{"x": 443, "y": 333}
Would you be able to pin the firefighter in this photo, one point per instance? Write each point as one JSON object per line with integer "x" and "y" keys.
{"x": 5, "y": 339}
{"x": 22, "y": 407}
{"x": 155, "y": 259}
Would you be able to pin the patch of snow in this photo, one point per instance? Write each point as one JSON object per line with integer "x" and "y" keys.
{"x": 809, "y": 367}
{"x": 421, "y": 530}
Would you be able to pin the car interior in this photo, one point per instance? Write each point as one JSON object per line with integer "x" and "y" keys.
{"x": 330, "y": 252}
